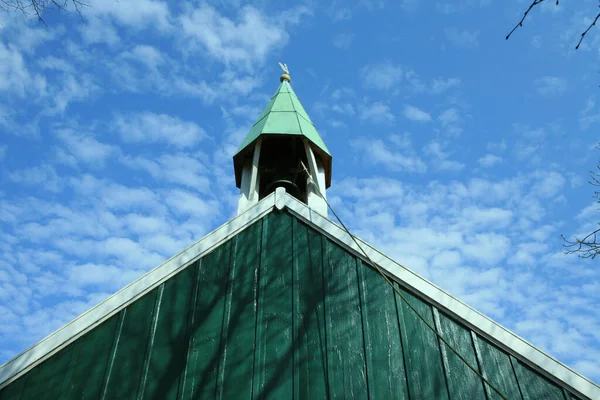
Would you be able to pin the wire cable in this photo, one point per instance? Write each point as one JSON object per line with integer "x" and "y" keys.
{"x": 440, "y": 337}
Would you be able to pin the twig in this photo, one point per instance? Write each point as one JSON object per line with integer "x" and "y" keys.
{"x": 538, "y": 2}
{"x": 520, "y": 24}
{"x": 587, "y": 247}
{"x": 586, "y": 31}
{"x": 42, "y": 6}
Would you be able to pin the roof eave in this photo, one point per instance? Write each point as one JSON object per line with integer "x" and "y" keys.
{"x": 324, "y": 155}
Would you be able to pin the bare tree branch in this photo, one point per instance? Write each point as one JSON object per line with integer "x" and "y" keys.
{"x": 520, "y": 24}
{"x": 538, "y": 2}
{"x": 40, "y": 7}
{"x": 587, "y": 247}
{"x": 586, "y": 31}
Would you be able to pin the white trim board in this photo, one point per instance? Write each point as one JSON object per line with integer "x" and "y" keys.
{"x": 281, "y": 200}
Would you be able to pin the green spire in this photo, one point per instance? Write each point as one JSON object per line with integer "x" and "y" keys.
{"x": 284, "y": 115}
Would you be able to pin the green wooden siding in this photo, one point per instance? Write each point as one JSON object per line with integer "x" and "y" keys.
{"x": 343, "y": 324}
{"x": 279, "y": 311}
{"x": 310, "y": 355}
{"x": 383, "y": 345}
{"x": 422, "y": 352}
{"x": 463, "y": 383}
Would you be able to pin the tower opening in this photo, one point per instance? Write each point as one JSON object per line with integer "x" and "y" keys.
{"x": 280, "y": 166}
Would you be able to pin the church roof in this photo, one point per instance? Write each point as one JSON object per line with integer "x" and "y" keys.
{"x": 284, "y": 115}
{"x": 280, "y": 301}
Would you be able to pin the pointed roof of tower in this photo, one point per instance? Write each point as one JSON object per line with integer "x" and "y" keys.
{"x": 284, "y": 115}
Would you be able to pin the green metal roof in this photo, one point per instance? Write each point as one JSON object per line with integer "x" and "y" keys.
{"x": 281, "y": 311}
{"x": 284, "y": 115}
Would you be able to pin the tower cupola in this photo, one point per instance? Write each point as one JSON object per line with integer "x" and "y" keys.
{"x": 279, "y": 144}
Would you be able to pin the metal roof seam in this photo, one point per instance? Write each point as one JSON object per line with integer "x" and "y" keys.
{"x": 296, "y": 112}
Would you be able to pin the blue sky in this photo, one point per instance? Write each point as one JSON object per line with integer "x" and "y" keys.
{"x": 460, "y": 154}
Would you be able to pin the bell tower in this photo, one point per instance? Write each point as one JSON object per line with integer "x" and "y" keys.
{"x": 279, "y": 144}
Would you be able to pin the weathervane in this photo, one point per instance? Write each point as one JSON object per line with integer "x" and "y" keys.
{"x": 286, "y": 75}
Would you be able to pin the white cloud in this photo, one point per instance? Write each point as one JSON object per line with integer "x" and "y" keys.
{"x": 450, "y": 120}
{"x": 179, "y": 168}
{"x": 437, "y": 85}
{"x": 246, "y": 40}
{"x": 117, "y": 197}
{"x": 377, "y": 152}
{"x": 376, "y": 112}
{"x": 151, "y": 128}
{"x": 42, "y": 176}
{"x": 462, "y": 38}
{"x": 343, "y": 40}
{"x": 589, "y": 115}
{"x": 16, "y": 78}
{"x": 447, "y": 259}
{"x": 141, "y": 14}
{"x": 415, "y": 114}
{"x": 440, "y": 85}
{"x": 499, "y": 146}
{"x": 450, "y": 8}
{"x": 383, "y": 76}
{"x": 480, "y": 218}
{"x": 146, "y": 55}
{"x": 531, "y": 143}
{"x": 588, "y": 212}
{"x": 449, "y": 116}
{"x": 82, "y": 148}
{"x": 167, "y": 244}
{"x": 447, "y": 8}
{"x": 341, "y": 14}
{"x": 189, "y": 204}
{"x": 409, "y": 5}
{"x": 144, "y": 224}
{"x": 344, "y": 108}
{"x": 99, "y": 30}
{"x": 487, "y": 248}
{"x": 489, "y": 160}
{"x": 101, "y": 276}
{"x": 551, "y": 85}
{"x": 548, "y": 184}
{"x": 70, "y": 89}
{"x": 55, "y": 63}
{"x": 440, "y": 158}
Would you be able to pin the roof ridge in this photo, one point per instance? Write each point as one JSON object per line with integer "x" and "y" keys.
{"x": 307, "y": 120}
{"x": 296, "y": 111}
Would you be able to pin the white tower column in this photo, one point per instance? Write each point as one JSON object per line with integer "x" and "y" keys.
{"x": 315, "y": 201}
{"x": 250, "y": 181}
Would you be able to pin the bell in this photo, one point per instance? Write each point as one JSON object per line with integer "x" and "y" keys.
{"x": 289, "y": 186}
{"x": 280, "y": 166}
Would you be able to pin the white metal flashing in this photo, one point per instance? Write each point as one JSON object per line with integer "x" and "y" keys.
{"x": 281, "y": 200}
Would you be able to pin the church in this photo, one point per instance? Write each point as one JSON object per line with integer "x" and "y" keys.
{"x": 283, "y": 302}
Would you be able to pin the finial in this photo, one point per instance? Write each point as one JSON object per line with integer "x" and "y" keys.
{"x": 286, "y": 75}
